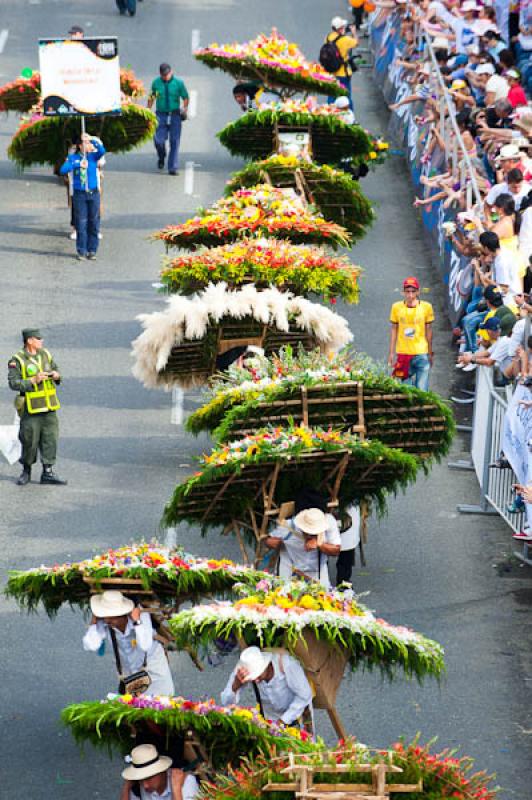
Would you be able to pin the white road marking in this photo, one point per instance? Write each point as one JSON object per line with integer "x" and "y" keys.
{"x": 3, "y": 39}
{"x": 192, "y": 104}
{"x": 194, "y": 40}
{"x": 189, "y": 177}
{"x": 178, "y": 397}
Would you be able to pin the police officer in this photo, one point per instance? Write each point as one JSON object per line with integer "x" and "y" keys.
{"x": 33, "y": 373}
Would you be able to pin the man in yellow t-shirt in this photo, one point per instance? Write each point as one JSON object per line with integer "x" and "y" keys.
{"x": 411, "y": 337}
{"x": 341, "y": 35}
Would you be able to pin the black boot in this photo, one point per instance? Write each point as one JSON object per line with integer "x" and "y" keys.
{"x": 25, "y": 476}
{"x": 49, "y": 476}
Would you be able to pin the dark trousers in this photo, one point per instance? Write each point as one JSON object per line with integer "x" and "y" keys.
{"x": 127, "y": 5}
{"x": 87, "y": 220}
{"x": 169, "y": 127}
{"x": 344, "y": 566}
{"x": 39, "y": 433}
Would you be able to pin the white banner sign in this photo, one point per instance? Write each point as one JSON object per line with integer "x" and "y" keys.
{"x": 517, "y": 438}
{"x": 80, "y": 76}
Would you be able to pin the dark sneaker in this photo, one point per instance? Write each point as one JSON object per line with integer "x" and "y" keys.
{"x": 173, "y": 172}
{"x": 91, "y": 256}
{"x": 160, "y": 163}
{"x": 24, "y": 477}
{"x": 49, "y": 476}
{"x": 81, "y": 257}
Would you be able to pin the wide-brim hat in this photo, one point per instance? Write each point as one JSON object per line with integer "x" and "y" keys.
{"x": 509, "y": 151}
{"x": 145, "y": 762}
{"x": 254, "y": 661}
{"x": 523, "y": 120}
{"x": 312, "y": 521}
{"x": 111, "y": 604}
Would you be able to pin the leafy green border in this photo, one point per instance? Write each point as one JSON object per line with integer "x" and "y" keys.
{"x": 337, "y": 196}
{"x": 403, "y": 466}
{"x": 252, "y": 69}
{"x": 227, "y": 738}
{"x": 385, "y": 652}
{"x": 31, "y": 588}
{"x": 46, "y": 140}
{"x": 347, "y": 141}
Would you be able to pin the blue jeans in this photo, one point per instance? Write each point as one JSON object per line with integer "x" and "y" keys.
{"x": 418, "y": 374}
{"x": 471, "y": 324}
{"x": 346, "y": 83}
{"x": 169, "y": 127}
{"x": 476, "y": 296}
{"x": 86, "y": 220}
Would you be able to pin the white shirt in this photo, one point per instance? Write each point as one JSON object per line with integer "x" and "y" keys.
{"x": 502, "y": 188}
{"x": 499, "y": 86}
{"x": 525, "y": 233}
{"x": 134, "y": 646}
{"x": 517, "y": 337}
{"x": 506, "y": 272}
{"x": 500, "y": 352}
{"x": 285, "y": 697}
{"x": 351, "y": 536}
{"x": 189, "y": 790}
{"x": 293, "y": 554}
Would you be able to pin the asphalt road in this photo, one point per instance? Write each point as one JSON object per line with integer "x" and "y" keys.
{"x": 449, "y": 576}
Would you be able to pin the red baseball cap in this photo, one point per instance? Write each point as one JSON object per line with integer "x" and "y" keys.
{"x": 411, "y": 282}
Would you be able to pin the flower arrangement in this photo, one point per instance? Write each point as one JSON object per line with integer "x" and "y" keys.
{"x": 380, "y": 150}
{"x": 303, "y": 269}
{"x": 237, "y": 398}
{"x": 372, "y": 470}
{"x": 262, "y": 210}
{"x": 280, "y": 616}
{"x": 273, "y": 60}
{"x": 228, "y": 733}
{"x": 20, "y": 94}
{"x": 443, "y": 774}
{"x": 199, "y": 319}
{"x": 130, "y": 85}
{"x": 45, "y": 140}
{"x": 332, "y": 139}
{"x": 168, "y": 572}
{"x": 334, "y": 193}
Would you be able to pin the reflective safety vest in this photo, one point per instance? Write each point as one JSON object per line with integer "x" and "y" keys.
{"x": 44, "y": 396}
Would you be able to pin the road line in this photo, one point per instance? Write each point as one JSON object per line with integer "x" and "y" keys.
{"x": 189, "y": 177}
{"x": 194, "y": 40}
{"x": 192, "y": 104}
{"x": 3, "y": 39}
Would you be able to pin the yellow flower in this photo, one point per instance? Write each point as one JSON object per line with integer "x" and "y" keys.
{"x": 373, "y": 154}
{"x": 244, "y": 713}
{"x": 307, "y": 601}
{"x": 284, "y": 602}
{"x": 248, "y": 601}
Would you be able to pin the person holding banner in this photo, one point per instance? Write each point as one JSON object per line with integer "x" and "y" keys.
{"x": 86, "y": 194}
{"x": 168, "y": 91}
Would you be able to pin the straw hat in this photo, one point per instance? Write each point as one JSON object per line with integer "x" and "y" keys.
{"x": 145, "y": 762}
{"x": 254, "y": 661}
{"x": 311, "y": 521}
{"x": 111, "y": 604}
{"x": 523, "y": 120}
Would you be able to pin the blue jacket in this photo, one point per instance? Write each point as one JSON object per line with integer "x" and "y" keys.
{"x": 72, "y": 164}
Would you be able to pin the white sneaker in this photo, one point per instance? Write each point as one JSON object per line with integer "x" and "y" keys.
{"x": 470, "y": 367}
{"x": 72, "y": 235}
{"x": 100, "y": 236}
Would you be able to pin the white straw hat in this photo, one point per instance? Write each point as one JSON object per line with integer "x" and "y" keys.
{"x": 254, "y": 661}
{"x": 509, "y": 151}
{"x": 111, "y": 604}
{"x": 145, "y": 762}
{"x": 338, "y": 22}
{"x": 312, "y": 521}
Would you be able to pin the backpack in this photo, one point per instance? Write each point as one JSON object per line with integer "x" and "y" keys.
{"x": 330, "y": 57}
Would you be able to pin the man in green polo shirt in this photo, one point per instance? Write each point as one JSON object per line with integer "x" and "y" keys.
{"x": 168, "y": 91}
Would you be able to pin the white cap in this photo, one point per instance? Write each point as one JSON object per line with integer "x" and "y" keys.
{"x": 485, "y": 69}
{"x": 470, "y": 5}
{"x": 338, "y": 22}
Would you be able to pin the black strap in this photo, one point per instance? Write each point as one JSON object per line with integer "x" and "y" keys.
{"x": 258, "y": 698}
{"x": 115, "y": 650}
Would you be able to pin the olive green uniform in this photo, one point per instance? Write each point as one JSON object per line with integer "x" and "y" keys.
{"x": 38, "y": 432}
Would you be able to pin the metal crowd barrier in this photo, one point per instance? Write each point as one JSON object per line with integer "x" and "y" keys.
{"x": 490, "y": 406}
